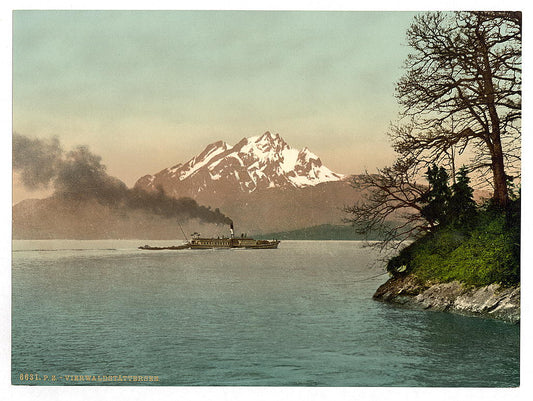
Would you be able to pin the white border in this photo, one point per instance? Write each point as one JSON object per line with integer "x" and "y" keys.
{"x": 245, "y": 393}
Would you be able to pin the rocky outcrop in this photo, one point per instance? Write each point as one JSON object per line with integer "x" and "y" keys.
{"x": 493, "y": 301}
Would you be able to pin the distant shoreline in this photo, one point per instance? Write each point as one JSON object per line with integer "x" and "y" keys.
{"x": 323, "y": 232}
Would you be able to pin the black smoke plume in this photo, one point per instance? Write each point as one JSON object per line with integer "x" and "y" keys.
{"x": 80, "y": 175}
{"x": 37, "y": 160}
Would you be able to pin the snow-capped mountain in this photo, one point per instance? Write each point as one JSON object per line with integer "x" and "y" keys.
{"x": 255, "y": 163}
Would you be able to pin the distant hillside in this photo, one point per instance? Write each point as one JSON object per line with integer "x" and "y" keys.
{"x": 320, "y": 232}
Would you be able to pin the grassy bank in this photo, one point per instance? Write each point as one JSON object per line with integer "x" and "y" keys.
{"x": 482, "y": 252}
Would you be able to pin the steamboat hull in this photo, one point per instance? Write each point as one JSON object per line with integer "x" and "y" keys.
{"x": 202, "y": 243}
{"x": 218, "y": 244}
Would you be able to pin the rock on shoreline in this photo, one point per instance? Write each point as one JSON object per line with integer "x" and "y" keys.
{"x": 493, "y": 301}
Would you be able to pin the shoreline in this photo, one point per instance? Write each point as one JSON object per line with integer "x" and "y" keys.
{"x": 492, "y": 301}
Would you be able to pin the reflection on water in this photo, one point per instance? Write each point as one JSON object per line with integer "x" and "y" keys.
{"x": 299, "y": 315}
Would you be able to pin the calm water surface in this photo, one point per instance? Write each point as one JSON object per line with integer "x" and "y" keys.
{"x": 301, "y": 315}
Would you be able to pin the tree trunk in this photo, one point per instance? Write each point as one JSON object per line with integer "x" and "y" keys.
{"x": 501, "y": 195}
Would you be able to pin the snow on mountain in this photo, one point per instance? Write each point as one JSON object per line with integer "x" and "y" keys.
{"x": 258, "y": 162}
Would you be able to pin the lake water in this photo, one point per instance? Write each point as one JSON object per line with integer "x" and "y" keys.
{"x": 301, "y": 315}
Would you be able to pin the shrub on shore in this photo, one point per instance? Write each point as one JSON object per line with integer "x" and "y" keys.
{"x": 481, "y": 253}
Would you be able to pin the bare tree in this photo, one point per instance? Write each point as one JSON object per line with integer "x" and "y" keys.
{"x": 389, "y": 195}
{"x": 462, "y": 89}
{"x": 461, "y": 94}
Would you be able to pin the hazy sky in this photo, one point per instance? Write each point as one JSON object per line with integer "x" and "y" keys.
{"x": 146, "y": 90}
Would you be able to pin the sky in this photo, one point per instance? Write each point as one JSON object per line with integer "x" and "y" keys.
{"x": 146, "y": 90}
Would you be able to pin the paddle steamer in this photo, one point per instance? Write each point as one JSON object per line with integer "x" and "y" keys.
{"x": 198, "y": 242}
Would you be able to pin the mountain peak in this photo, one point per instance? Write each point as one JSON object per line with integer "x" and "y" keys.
{"x": 257, "y": 162}
{"x": 264, "y": 145}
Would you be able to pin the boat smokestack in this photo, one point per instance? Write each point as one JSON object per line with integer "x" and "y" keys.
{"x": 231, "y": 230}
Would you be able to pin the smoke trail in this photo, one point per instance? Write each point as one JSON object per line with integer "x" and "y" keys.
{"x": 80, "y": 175}
{"x": 161, "y": 204}
{"x": 38, "y": 161}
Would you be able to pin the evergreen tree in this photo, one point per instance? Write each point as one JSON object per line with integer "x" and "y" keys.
{"x": 436, "y": 200}
{"x": 462, "y": 207}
